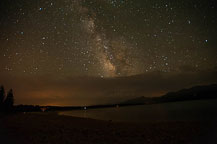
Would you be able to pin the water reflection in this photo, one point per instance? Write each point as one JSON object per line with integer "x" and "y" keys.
{"x": 176, "y": 111}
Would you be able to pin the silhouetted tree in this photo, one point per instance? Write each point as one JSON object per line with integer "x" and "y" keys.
{"x": 2, "y": 97}
{"x": 9, "y": 101}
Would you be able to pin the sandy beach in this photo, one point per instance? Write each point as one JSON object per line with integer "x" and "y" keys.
{"x": 50, "y": 128}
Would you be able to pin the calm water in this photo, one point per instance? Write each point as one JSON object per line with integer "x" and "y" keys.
{"x": 176, "y": 111}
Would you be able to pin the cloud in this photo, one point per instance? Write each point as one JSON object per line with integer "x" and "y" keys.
{"x": 187, "y": 68}
{"x": 49, "y": 90}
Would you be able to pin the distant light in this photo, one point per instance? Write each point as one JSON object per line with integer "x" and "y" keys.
{"x": 85, "y": 108}
{"x": 206, "y": 41}
{"x": 40, "y": 9}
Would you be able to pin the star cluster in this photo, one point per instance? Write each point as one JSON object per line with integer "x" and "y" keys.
{"x": 106, "y": 38}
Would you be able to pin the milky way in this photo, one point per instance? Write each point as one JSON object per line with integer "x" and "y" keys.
{"x": 107, "y": 38}
{"x": 84, "y": 52}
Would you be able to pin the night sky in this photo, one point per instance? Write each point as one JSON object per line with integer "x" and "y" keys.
{"x": 53, "y": 51}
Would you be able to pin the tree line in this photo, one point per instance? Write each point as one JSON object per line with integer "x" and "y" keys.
{"x": 6, "y": 102}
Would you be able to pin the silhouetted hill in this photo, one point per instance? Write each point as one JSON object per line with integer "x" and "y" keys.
{"x": 194, "y": 93}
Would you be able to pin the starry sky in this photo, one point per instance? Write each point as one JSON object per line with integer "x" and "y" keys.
{"x": 106, "y": 39}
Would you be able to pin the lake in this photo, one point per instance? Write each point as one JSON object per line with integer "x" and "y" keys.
{"x": 198, "y": 110}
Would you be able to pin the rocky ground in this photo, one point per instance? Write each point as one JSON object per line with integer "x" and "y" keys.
{"x": 50, "y": 128}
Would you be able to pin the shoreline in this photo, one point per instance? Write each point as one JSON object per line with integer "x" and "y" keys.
{"x": 47, "y": 128}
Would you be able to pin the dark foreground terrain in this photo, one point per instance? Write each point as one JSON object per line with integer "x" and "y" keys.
{"x": 50, "y": 128}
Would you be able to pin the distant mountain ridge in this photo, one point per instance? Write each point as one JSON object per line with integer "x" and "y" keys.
{"x": 194, "y": 93}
